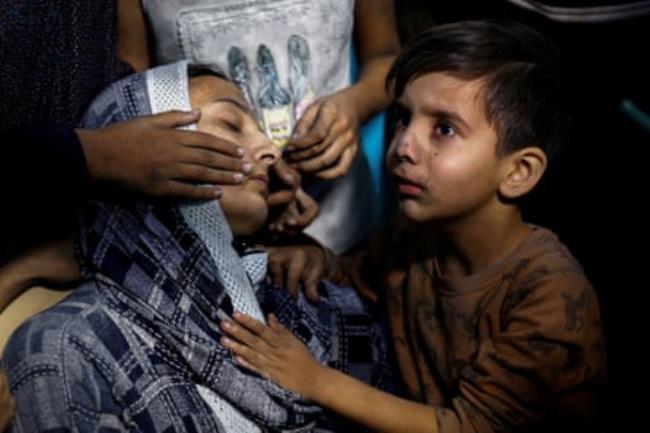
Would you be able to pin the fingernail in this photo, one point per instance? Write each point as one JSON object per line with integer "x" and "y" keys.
{"x": 216, "y": 193}
{"x": 239, "y": 178}
{"x": 247, "y": 167}
{"x": 240, "y": 151}
{"x": 289, "y": 148}
{"x": 195, "y": 112}
{"x": 225, "y": 324}
{"x": 292, "y": 221}
{"x": 225, "y": 341}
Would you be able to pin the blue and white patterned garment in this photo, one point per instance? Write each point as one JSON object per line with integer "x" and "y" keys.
{"x": 135, "y": 347}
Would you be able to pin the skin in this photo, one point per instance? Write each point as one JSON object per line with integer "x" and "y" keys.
{"x": 226, "y": 113}
{"x": 149, "y": 155}
{"x": 444, "y": 144}
{"x": 7, "y": 405}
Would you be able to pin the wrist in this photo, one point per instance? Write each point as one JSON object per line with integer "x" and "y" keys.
{"x": 318, "y": 388}
{"x": 354, "y": 100}
{"x": 90, "y": 140}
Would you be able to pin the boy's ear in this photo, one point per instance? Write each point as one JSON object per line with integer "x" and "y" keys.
{"x": 522, "y": 170}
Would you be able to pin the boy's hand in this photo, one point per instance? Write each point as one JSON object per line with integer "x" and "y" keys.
{"x": 7, "y": 404}
{"x": 326, "y": 138}
{"x": 273, "y": 352}
{"x": 290, "y": 266}
{"x": 150, "y": 156}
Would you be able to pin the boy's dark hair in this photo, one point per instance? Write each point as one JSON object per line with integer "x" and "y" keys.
{"x": 523, "y": 89}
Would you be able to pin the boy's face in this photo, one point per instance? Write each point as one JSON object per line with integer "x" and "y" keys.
{"x": 225, "y": 113}
{"x": 443, "y": 157}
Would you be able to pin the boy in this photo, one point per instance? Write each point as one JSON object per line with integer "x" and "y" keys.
{"x": 494, "y": 325}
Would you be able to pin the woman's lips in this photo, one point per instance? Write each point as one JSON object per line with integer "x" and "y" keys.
{"x": 262, "y": 178}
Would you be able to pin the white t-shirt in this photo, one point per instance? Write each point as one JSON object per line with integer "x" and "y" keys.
{"x": 208, "y": 31}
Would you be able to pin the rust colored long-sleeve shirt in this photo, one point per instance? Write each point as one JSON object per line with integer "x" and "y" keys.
{"x": 515, "y": 347}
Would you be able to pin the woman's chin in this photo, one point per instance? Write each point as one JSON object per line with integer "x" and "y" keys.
{"x": 247, "y": 220}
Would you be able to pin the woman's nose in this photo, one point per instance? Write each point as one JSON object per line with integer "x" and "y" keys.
{"x": 266, "y": 152}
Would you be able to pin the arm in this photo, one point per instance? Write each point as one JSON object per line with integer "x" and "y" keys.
{"x": 147, "y": 155}
{"x": 325, "y": 140}
{"x": 51, "y": 264}
{"x": 307, "y": 262}
{"x": 276, "y": 354}
{"x": 132, "y": 38}
{"x": 7, "y": 405}
{"x": 378, "y": 43}
{"x": 546, "y": 362}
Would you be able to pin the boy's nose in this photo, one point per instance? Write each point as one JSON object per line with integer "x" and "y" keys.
{"x": 404, "y": 149}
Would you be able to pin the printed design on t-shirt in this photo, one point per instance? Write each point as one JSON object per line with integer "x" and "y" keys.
{"x": 541, "y": 344}
{"x": 240, "y": 73}
{"x": 295, "y": 46}
{"x": 276, "y": 107}
{"x": 275, "y": 103}
{"x": 575, "y": 311}
{"x": 300, "y": 74}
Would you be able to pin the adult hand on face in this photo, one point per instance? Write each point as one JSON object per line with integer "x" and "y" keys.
{"x": 150, "y": 156}
{"x": 326, "y": 138}
{"x": 299, "y": 208}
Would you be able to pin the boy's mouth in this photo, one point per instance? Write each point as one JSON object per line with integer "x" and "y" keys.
{"x": 407, "y": 187}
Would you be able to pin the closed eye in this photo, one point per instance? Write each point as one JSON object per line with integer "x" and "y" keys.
{"x": 230, "y": 125}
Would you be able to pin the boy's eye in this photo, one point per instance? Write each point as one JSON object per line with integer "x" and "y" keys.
{"x": 444, "y": 129}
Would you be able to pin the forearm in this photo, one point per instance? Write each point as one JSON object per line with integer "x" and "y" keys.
{"x": 13, "y": 281}
{"x": 369, "y": 94}
{"x": 370, "y": 407}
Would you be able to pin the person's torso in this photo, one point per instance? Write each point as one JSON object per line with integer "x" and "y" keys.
{"x": 283, "y": 54}
{"x": 441, "y": 328}
{"x": 205, "y": 32}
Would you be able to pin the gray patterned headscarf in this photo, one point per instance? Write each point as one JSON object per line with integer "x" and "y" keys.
{"x": 174, "y": 274}
{"x": 163, "y": 89}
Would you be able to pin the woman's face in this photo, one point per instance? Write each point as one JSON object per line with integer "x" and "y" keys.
{"x": 225, "y": 113}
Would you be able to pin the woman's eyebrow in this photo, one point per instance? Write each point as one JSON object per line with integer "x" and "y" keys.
{"x": 243, "y": 107}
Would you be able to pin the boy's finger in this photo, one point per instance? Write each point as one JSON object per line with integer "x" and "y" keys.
{"x": 241, "y": 335}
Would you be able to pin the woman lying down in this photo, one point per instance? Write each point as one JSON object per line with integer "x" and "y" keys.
{"x": 136, "y": 346}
